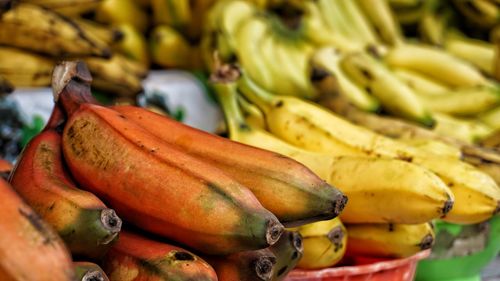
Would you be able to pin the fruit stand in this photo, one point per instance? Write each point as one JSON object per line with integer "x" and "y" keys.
{"x": 249, "y": 140}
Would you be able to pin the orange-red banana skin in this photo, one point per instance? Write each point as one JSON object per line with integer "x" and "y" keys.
{"x": 136, "y": 258}
{"x": 30, "y": 250}
{"x": 285, "y": 187}
{"x": 86, "y": 225}
{"x": 157, "y": 187}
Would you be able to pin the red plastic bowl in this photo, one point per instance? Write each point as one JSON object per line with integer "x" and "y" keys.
{"x": 366, "y": 269}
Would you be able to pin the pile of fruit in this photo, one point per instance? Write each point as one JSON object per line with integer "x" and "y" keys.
{"x": 352, "y": 126}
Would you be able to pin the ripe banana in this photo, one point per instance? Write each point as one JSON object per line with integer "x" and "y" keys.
{"x": 393, "y": 94}
{"x": 436, "y": 147}
{"x": 37, "y": 29}
{"x": 135, "y": 258}
{"x": 434, "y": 63}
{"x": 479, "y": 53}
{"x": 169, "y": 48}
{"x": 68, "y": 7}
{"x": 388, "y": 240}
{"x": 313, "y": 128}
{"x": 174, "y": 13}
{"x": 288, "y": 251}
{"x": 463, "y": 101}
{"x": 329, "y": 59}
{"x": 133, "y": 45}
{"x": 286, "y": 188}
{"x": 87, "y": 271}
{"x": 117, "y": 75}
{"x": 82, "y": 220}
{"x": 135, "y": 160}
{"x": 324, "y": 243}
{"x": 30, "y": 249}
{"x": 245, "y": 266}
{"x": 107, "y": 34}
{"x": 370, "y": 201}
{"x": 419, "y": 83}
{"x": 117, "y": 12}
{"x": 24, "y": 69}
{"x": 467, "y": 130}
{"x": 360, "y": 27}
{"x": 382, "y": 19}
{"x": 491, "y": 118}
{"x": 5, "y": 85}
{"x": 408, "y": 12}
{"x": 481, "y": 13}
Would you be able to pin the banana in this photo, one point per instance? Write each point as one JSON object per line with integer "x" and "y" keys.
{"x": 286, "y": 188}
{"x": 492, "y": 141}
{"x": 135, "y": 258}
{"x": 232, "y": 219}
{"x": 24, "y": 69}
{"x": 245, "y": 266}
{"x": 419, "y": 83}
{"x": 469, "y": 131}
{"x": 37, "y": 29}
{"x": 288, "y": 251}
{"x": 168, "y": 48}
{"x": 479, "y": 53}
{"x": 488, "y": 167}
{"x": 369, "y": 201}
{"x": 463, "y": 101}
{"x": 108, "y": 35}
{"x": 117, "y": 12}
{"x": 434, "y": 22}
{"x": 388, "y": 240}
{"x": 87, "y": 271}
{"x": 382, "y": 19}
{"x": 133, "y": 45}
{"x": 324, "y": 244}
{"x": 360, "y": 27}
{"x": 408, "y": 12}
{"x": 491, "y": 118}
{"x": 116, "y": 75}
{"x": 329, "y": 59}
{"x": 82, "y": 220}
{"x": 30, "y": 249}
{"x": 174, "y": 13}
{"x": 199, "y": 14}
{"x": 6, "y": 86}
{"x": 313, "y": 128}
{"x": 68, "y": 7}
{"x": 393, "y": 94}
{"x": 434, "y": 63}
{"x": 481, "y": 13}
{"x": 436, "y": 147}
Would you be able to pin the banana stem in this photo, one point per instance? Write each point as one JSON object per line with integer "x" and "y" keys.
{"x": 255, "y": 94}
{"x": 227, "y": 94}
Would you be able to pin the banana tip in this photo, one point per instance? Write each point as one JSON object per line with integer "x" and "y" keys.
{"x": 274, "y": 231}
{"x": 339, "y": 204}
{"x": 66, "y": 71}
{"x": 497, "y": 209}
{"x": 264, "y": 267}
{"x": 448, "y": 205}
{"x": 297, "y": 241}
{"x": 111, "y": 222}
{"x": 336, "y": 235}
{"x": 427, "y": 242}
{"x": 94, "y": 276}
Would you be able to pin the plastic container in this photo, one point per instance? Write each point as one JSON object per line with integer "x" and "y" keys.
{"x": 366, "y": 269}
{"x": 466, "y": 268}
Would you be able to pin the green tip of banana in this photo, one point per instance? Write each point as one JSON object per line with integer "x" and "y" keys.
{"x": 428, "y": 121}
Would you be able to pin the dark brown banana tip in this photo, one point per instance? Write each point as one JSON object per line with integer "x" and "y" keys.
{"x": 426, "y": 242}
{"x": 497, "y": 209}
{"x": 448, "y": 205}
{"x": 94, "y": 276}
{"x": 336, "y": 235}
{"x": 264, "y": 267}
{"x": 66, "y": 71}
{"x": 5, "y": 5}
{"x": 297, "y": 241}
{"x": 117, "y": 36}
{"x": 274, "y": 231}
{"x": 112, "y": 223}
{"x": 339, "y": 204}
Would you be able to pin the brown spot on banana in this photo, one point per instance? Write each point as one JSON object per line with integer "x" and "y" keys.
{"x": 426, "y": 242}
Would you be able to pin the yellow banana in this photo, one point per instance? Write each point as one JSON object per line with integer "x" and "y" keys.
{"x": 168, "y": 48}
{"x": 38, "y": 29}
{"x": 436, "y": 64}
{"x": 408, "y": 12}
{"x": 381, "y": 17}
{"x": 329, "y": 59}
{"x": 324, "y": 243}
{"x": 24, "y": 69}
{"x": 313, "y": 128}
{"x": 419, "y": 83}
{"x": 491, "y": 118}
{"x": 369, "y": 201}
{"x": 435, "y": 147}
{"x": 359, "y": 25}
{"x": 463, "y": 129}
{"x": 393, "y": 94}
{"x": 108, "y": 35}
{"x": 133, "y": 44}
{"x": 68, "y": 7}
{"x": 389, "y": 240}
{"x": 481, "y": 13}
{"x": 118, "y": 12}
{"x": 175, "y": 13}
{"x": 465, "y": 101}
{"x": 479, "y": 53}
